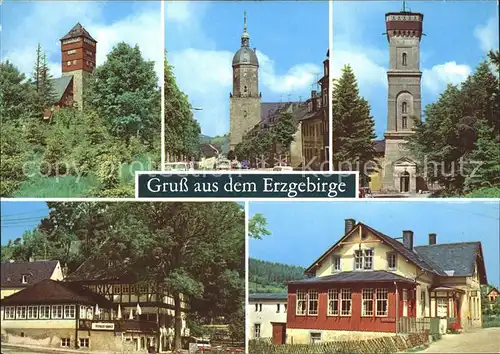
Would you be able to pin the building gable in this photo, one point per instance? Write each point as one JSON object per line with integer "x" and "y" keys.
{"x": 365, "y": 237}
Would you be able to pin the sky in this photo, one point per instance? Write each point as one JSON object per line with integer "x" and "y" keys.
{"x": 18, "y": 217}
{"x": 201, "y": 38}
{"x": 316, "y": 226}
{"x": 458, "y": 35}
{"x": 25, "y": 24}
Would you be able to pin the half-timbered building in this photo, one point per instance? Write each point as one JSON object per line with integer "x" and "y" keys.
{"x": 149, "y": 308}
{"x": 369, "y": 284}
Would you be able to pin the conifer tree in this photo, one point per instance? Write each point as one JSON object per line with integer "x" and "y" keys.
{"x": 42, "y": 80}
{"x": 353, "y": 126}
{"x": 460, "y": 134}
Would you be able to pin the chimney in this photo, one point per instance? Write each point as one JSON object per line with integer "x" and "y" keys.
{"x": 349, "y": 225}
{"x": 408, "y": 239}
{"x": 432, "y": 239}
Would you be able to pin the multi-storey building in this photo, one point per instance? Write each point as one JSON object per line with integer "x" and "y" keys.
{"x": 369, "y": 284}
{"x": 266, "y": 313}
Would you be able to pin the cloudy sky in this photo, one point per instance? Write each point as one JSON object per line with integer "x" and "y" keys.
{"x": 458, "y": 36}
{"x": 202, "y": 37}
{"x": 25, "y": 24}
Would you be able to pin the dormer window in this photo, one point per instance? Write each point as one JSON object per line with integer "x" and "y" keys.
{"x": 24, "y": 279}
{"x": 336, "y": 264}
{"x": 391, "y": 260}
{"x": 363, "y": 259}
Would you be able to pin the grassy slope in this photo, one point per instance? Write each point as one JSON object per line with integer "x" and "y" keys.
{"x": 73, "y": 186}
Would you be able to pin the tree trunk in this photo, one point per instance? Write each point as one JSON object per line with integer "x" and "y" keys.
{"x": 177, "y": 321}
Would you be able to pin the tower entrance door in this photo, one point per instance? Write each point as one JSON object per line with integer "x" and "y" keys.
{"x": 404, "y": 182}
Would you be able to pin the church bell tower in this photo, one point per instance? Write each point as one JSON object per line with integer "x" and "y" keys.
{"x": 245, "y": 98}
{"x": 404, "y": 32}
{"x": 78, "y": 55}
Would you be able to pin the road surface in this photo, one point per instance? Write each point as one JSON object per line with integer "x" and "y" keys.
{"x": 478, "y": 340}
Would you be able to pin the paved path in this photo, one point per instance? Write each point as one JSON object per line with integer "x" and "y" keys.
{"x": 477, "y": 340}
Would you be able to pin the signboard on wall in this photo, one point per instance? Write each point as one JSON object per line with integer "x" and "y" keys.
{"x": 103, "y": 326}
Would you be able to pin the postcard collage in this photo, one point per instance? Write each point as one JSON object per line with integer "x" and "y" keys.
{"x": 403, "y": 96}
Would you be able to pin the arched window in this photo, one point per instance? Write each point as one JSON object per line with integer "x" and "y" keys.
{"x": 404, "y": 107}
{"x": 404, "y": 58}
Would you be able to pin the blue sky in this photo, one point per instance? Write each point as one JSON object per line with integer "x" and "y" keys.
{"x": 458, "y": 36}
{"x": 18, "y": 217}
{"x": 25, "y": 24}
{"x": 201, "y": 38}
{"x": 316, "y": 226}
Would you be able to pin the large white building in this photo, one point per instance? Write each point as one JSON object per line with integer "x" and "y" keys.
{"x": 263, "y": 310}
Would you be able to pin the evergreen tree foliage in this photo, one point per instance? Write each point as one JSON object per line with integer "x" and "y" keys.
{"x": 16, "y": 95}
{"x": 182, "y": 131}
{"x": 81, "y": 143}
{"x": 458, "y": 142}
{"x": 271, "y": 277}
{"x": 124, "y": 91}
{"x": 353, "y": 126}
{"x": 42, "y": 80}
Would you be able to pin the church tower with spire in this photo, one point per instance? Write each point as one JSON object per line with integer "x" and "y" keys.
{"x": 78, "y": 55}
{"x": 245, "y": 97}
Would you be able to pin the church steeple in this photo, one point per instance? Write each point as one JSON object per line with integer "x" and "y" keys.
{"x": 245, "y": 37}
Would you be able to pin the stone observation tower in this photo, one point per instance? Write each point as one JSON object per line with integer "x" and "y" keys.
{"x": 404, "y": 32}
{"x": 78, "y": 55}
{"x": 245, "y": 98}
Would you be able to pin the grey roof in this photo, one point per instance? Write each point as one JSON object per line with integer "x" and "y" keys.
{"x": 269, "y": 109}
{"x": 456, "y": 257}
{"x": 245, "y": 56}
{"x": 379, "y": 146}
{"x": 36, "y": 271}
{"x": 77, "y": 31}
{"x": 268, "y": 296}
{"x": 56, "y": 292}
{"x": 60, "y": 85}
{"x": 355, "y": 276}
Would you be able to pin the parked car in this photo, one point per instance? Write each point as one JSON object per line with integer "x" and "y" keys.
{"x": 178, "y": 166}
{"x": 365, "y": 192}
{"x": 282, "y": 168}
{"x": 223, "y": 165}
{"x": 203, "y": 344}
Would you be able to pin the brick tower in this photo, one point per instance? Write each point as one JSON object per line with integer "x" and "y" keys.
{"x": 245, "y": 98}
{"x": 404, "y": 32}
{"x": 78, "y": 55}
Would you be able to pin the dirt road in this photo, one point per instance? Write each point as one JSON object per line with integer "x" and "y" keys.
{"x": 478, "y": 340}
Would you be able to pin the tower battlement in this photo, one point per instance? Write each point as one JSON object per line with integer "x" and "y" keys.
{"x": 404, "y": 24}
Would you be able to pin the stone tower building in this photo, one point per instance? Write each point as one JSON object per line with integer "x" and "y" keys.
{"x": 245, "y": 110}
{"x": 78, "y": 55}
{"x": 404, "y": 32}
